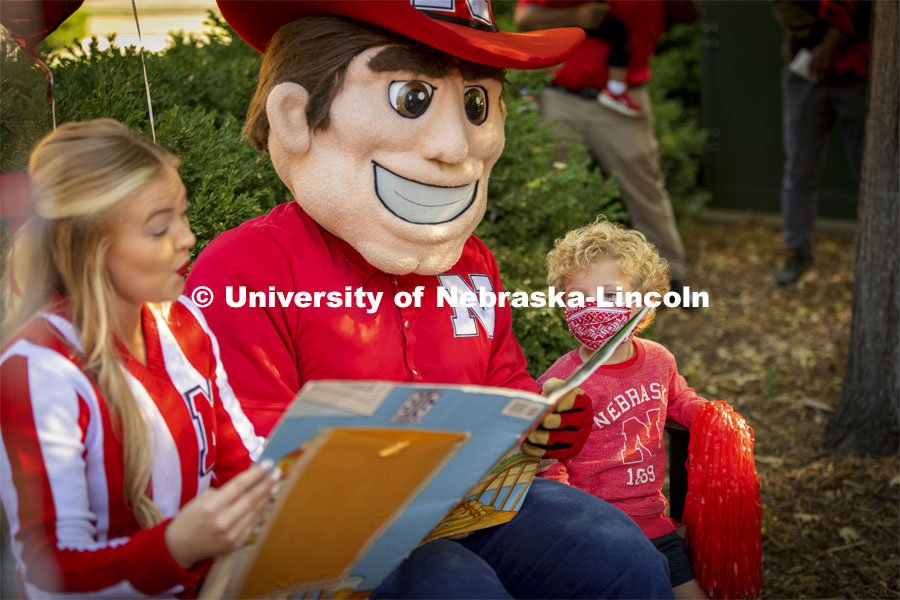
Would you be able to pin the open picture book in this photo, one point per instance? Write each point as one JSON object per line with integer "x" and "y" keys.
{"x": 372, "y": 469}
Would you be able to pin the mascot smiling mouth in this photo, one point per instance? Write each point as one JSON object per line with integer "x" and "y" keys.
{"x": 420, "y": 203}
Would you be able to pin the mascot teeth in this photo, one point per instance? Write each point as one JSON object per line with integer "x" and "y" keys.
{"x": 421, "y": 203}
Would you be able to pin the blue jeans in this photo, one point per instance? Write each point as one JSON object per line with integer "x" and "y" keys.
{"x": 564, "y": 543}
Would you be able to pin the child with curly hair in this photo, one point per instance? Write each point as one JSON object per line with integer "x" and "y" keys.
{"x": 623, "y": 461}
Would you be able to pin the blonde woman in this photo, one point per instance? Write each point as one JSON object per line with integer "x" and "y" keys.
{"x": 117, "y": 418}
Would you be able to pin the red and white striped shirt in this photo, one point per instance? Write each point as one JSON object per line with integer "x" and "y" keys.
{"x": 61, "y": 463}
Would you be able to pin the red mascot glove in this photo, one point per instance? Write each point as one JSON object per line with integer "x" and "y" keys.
{"x": 562, "y": 433}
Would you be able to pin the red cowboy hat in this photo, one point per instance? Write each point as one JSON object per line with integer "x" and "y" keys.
{"x": 461, "y": 28}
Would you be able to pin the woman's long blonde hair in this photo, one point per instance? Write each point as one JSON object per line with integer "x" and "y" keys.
{"x": 80, "y": 175}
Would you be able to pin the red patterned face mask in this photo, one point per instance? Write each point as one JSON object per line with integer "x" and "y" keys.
{"x": 592, "y": 325}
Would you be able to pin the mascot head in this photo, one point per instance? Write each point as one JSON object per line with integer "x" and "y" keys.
{"x": 384, "y": 117}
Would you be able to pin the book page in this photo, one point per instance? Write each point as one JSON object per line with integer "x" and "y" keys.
{"x": 484, "y": 478}
{"x": 344, "y": 490}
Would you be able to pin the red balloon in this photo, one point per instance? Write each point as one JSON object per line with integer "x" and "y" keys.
{"x": 30, "y": 21}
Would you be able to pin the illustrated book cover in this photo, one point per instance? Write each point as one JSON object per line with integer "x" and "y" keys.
{"x": 372, "y": 469}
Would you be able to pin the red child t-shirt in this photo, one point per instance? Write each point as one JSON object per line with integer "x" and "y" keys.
{"x": 624, "y": 459}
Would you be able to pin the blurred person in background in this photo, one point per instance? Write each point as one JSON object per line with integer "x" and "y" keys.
{"x": 621, "y": 144}
{"x": 826, "y": 45}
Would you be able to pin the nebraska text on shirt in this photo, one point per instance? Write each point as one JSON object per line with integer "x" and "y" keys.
{"x": 629, "y": 399}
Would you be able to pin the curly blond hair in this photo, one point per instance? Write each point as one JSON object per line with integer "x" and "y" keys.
{"x": 636, "y": 258}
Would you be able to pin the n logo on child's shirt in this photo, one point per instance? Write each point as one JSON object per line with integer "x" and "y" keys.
{"x": 642, "y": 439}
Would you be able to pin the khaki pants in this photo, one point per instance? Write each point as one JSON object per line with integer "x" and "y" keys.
{"x": 626, "y": 146}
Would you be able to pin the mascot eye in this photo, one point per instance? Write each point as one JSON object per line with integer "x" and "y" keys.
{"x": 476, "y": 104}
{"x": 410, "y": 98}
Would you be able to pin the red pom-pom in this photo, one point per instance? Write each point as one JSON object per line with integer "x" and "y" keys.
{"x": 723, "y": 512}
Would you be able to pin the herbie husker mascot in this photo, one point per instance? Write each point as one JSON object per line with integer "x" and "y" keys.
{"x": 384, "y": 118}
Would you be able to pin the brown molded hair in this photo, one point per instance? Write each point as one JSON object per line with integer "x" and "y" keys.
{"x": 315, "y": 52}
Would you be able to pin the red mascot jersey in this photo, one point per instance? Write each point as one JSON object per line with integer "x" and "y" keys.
{"x": 275, "y": 342}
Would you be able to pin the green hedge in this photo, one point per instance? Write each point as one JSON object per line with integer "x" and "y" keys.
{"x": 675, "y": 92}
{"x": 200, "y": 91}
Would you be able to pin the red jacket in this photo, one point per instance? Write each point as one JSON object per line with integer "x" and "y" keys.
{"x": 645, "y": 20}
{"x": 845, "y": 16}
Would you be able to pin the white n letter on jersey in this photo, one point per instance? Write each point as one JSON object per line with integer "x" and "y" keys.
{"x": 463, "y": 321}
{"x": 638, "y": 435}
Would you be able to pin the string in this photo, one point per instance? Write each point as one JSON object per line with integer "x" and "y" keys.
{"x": 144, "y": 67}
{"x": 48, "y": 75}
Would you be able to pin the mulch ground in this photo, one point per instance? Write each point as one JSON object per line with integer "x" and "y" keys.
{"x": 831, "y": 524}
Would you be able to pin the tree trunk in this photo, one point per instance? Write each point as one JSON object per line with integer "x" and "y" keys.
{"x": 867, "y": 418}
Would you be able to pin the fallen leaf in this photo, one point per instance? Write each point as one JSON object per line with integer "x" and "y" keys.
{"x": 806, "y": 517}
{"x": 817, "y": 405}
{"x": 848, "y": 534}
{"x": 853, "y": 485}
{"x": 774, "y": 461}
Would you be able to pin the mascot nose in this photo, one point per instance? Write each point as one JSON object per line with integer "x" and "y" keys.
{"x": 446, "y": 141}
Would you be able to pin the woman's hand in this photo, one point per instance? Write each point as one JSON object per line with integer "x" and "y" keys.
{"x": 220, "y": 520}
